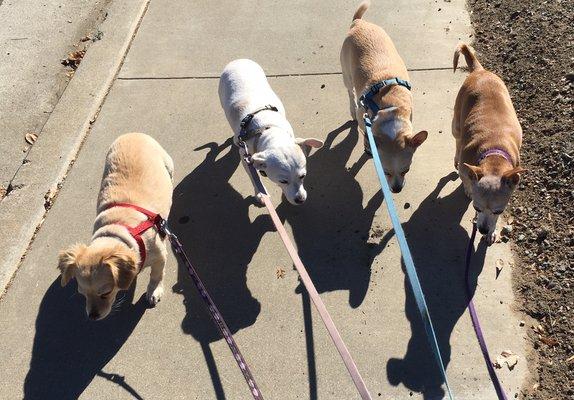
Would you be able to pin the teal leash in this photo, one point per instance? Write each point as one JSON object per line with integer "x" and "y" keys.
{"x": 407, "y": 257}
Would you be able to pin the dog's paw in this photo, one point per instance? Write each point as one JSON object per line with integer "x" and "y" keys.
{"x": 259, "y": 199}
{"x": 154, "y": 294}
{"x": 491, "y": 238}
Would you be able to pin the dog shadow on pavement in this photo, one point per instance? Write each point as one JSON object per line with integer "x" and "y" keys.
{"x": 332, "y": 229}
{"x": 438, "y": 244}
{"x": 211, "y": 219}
{"x": 69, "y": 350}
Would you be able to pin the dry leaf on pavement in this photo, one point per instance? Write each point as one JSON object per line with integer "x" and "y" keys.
{"x": 506, "y": 357}
{"x": 280, "y": 273}
{"x": 31, "y": 138}
{"x": 49, "y": 198}
{"x": 74, "y": 59}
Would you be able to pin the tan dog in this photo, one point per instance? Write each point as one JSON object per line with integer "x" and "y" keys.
{"x": 488, "y": 139}
{"x": 368, "y": 56}
{"x": 138, "y": 171}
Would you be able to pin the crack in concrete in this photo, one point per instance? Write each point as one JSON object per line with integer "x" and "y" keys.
{"x": 207, "y": 77}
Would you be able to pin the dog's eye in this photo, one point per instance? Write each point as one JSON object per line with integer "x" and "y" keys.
{"x": 388, "y": 174}
{"x": 283, "y": 181}
{"x": 497, "y": 212}
{"x": 302, "y": 176}
{"x": 262, "y": 173}
{"x": 105, "y": 295}
{"x": 404, "y": 172}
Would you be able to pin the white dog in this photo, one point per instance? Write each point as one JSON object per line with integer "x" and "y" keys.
{"x": 248, "y": 100}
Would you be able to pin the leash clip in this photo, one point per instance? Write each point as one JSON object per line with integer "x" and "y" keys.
{"x": 246, "y": 156}
{"x": 164, "y": 228}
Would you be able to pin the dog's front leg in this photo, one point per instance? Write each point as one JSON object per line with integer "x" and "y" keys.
{"x": 257, "y": 195}
{"x": 155, "y": 286}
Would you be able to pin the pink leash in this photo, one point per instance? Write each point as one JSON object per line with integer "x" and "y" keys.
{"x": 310, "y": 287}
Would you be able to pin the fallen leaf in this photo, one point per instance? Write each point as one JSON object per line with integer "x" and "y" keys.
{"x": 74, "y": 59}
{"x": 499, "y": 266}
{"x": 280, "y": 273}
{"x": 548, "y": 341}
{"x": 31, "y": 138}
{"x": 506, "y": 357}
{"x": 49, "y": 198}
{"x": 538, "y": 329}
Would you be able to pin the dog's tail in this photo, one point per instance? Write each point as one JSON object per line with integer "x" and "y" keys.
{"x": 362, "y": 9}
{"x": 469, "y": 56}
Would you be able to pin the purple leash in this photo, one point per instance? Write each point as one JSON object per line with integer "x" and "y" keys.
{"x": 476, "y": 323}
{"x": 213, "y": 311}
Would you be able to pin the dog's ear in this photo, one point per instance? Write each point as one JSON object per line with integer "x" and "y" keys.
{"x": 259, "y": 160}
{"x": 67, "y": 262}
{"x": 418, "y": 139}
{"x": 475, "y": 172}
{"x": 512, "y": 177}
{"x": 308, "y": 144}
{"x": 122, "y": 263}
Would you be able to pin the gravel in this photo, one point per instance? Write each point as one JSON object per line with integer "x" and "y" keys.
{"x": 530, "y": 44}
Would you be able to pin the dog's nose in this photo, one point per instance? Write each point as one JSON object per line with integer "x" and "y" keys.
{"x": 94, "y": 315}
{"x": 396, "y": 188}
{"x": 299, "y": 200}
{"x": 483, "y": 230}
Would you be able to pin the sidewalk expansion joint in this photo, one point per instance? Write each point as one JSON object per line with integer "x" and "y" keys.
{"x": 208, "y": 77}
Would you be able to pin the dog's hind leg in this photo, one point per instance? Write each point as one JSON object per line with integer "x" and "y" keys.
{"x": 347, "y": 81}
{"x": 352, "y": 104}
{"x": 168, "y": 162}
{"x": 457, "y": 151}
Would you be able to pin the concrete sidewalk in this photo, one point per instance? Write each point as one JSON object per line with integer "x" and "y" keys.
{"x": 168, "y": 88}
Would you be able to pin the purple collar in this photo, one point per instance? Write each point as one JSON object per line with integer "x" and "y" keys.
{"x": 495, "y": 152}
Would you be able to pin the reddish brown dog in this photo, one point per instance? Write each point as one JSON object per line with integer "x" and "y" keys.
{"x": 488, "y": 139}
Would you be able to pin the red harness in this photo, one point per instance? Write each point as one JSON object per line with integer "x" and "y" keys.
{"x": 153, "y": 220}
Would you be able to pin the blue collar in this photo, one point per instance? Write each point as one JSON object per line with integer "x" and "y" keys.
{"x": 366, "y": 99}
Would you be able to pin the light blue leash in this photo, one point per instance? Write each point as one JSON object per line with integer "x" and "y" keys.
{"x": 400, "y": 235}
